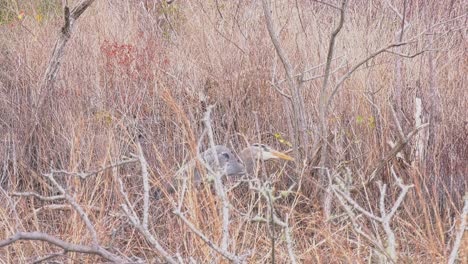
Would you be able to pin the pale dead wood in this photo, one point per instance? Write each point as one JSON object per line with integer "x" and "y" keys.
{"x": 226, "y": 254}
{"x": 219, "y": 187}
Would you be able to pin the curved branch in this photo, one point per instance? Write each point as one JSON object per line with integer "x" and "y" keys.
{"x": 38, "y": 236}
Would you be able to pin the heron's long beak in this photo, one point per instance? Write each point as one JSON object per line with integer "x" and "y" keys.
{"x": 281, "y": 155}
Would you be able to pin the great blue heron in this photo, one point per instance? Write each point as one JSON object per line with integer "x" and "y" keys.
{"x": 230, "y": 165}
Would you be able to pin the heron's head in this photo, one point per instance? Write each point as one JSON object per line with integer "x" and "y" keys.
{"x": 264, "y": 152}
{"x": 232, "y": 165}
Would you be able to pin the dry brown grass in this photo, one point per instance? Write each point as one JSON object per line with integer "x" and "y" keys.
{"x": 129, "y": 71}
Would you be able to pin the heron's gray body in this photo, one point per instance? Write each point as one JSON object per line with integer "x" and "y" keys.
{"x": 246, "y": 163}
{"x": 229, "y": 163}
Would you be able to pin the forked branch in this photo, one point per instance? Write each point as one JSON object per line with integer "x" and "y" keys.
{"x": 385, "y": 217}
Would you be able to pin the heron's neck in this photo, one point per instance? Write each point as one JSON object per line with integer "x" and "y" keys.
{"x": 250, "y": 162}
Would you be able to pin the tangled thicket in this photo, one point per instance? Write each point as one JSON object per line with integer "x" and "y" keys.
{"x": 146, "y": 72}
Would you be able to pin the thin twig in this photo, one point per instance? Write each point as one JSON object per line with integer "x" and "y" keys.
{"x": 84, "y": 175}
{"x": 212, "y": 245}
{"x": 275, "y": 86}
{"x": 50, "y": 256}
{"x": 359, "y": 64}
{"x": 267, "y": 192}
{"x": 395, "y": 150}
{"x": 38, "y": 196}
{"x": 327, "y": 4}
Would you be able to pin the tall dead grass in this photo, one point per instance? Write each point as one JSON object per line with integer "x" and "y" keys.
{"x": 131, "y": 70}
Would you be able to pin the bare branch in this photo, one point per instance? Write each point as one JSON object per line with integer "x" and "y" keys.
{"x": 274, "y": 38}
{"x": 355, "y": 204}
{"x": 128, "y": 206}
{"x": 131, "y": 214}
{"x": 384, "y": 219}
{"x": 78, "y": 10}
{"x": 50, "y": 256}
{"x": 222, "y": 252}
{"x": 144, "y": 175}
{"x": 323, "y": 110}
{"x": 362, "y": 62}
{"x": 267, "y": 192}
{"x": 395, "y": 150}
{"x": 356, "y": 226}
{"x": 398, "y": 124}
{"x": 460, "y": 232}
{"x": 77, "y": 207}
{"x": 289, "y": 241}
{"x": 219, "y": 187}
{"x": 323, "y": 75}
{"x": 38, "y": 236}
{"x": 308, "y": 70}
{"x": 275, "y": 86}
{"x": 56, "y": 58}
{"x": 404, "y": 189}
{"x": 300, "y": 136}
{"x": 58, "y": 207}
{"x": 327, "y": 4}
{"x": 406, "y": 55}
{"x": 331, "y": 48}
